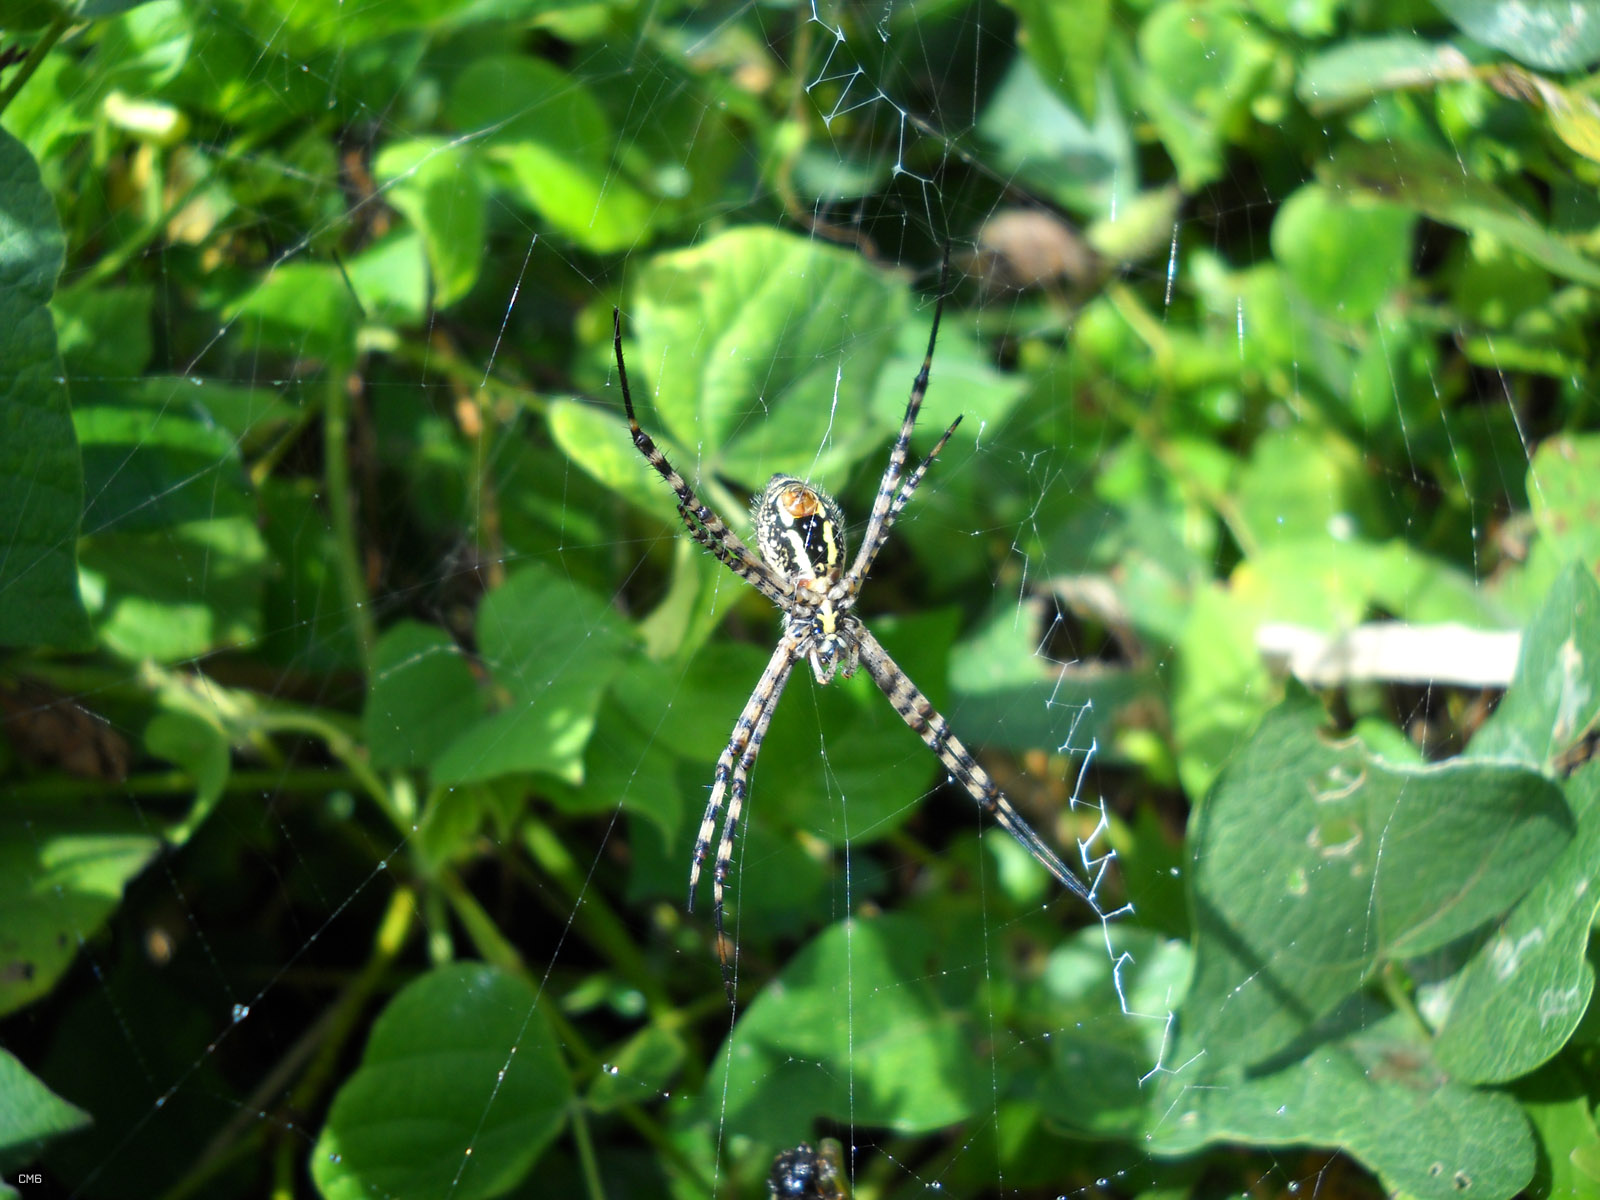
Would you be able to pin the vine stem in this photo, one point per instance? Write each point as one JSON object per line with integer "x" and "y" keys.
{"x": 47, "y": 40}
{"x": 341, "y": 511}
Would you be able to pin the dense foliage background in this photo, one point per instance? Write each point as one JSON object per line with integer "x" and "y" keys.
{"x": 362, "y": 691}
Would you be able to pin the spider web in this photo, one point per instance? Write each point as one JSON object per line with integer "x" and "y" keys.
{"x": 388, "y": 802}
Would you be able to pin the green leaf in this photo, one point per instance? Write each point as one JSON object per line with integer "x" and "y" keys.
{"x": 907, "y": 1059}
{"x": 460, "y": 1089}
{"x": 1563, "y": 491}
{"x": 1108, "y": 1026}
{"x": 1353, "y": 71}
{"x": 551, "y": 647}
{"x": 1559, "y": 1104}
{"x": 552, "y": 137}
{"x": 640, "y": 1072}
{"x": 302, "y": 310}
{"x": 1203, "y": 67}
{"x": 1526, "y": 988}
{"x": 1556, "y": 35}
{"x": 1313, "y": 863}
{"x": 753, "y": 351}
{"x": 106, "y": 8}
{"x": 601, "y": 444}
{"x": 1305, "y": 482}
{"x": 1375, "y": 1094}
{"x": 422, "y": 696}
{"x": 390, "y": 278}
{"x": 629, "y": 769}
{"x": 1038, "y": 138}
{"x": 1555, "y": 696}
{"x": 1329, "y": 585}
{"x": 172, "y": 552}
{"x": 1313, "y": 236}
{"x": 104, "y": 330}
{"x": 1008, "y": 696}
{"x": 201, "y": 749}
{"x": 1433, "y": 183}
{"x": 41, "y": 496}
{"x": 62, "y": 871}
{"x": 1066, "y": 44}
{"x": 436, "y": 184}
{"x": 30, "y": 1113}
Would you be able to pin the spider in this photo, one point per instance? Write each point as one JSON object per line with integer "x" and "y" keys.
{"x": 801, "y": 569}
{"x": 807, "y": 1174}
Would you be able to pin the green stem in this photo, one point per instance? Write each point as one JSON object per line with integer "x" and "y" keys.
{"x": 585, "y": 1145}
{"x": 341, "y": 511}
{"x": 342, "y": 746}
{"x": 494, "y": 948}
{"x": 178, "y": 783}
{"x": 46, "y": 41}
{"x": 591, "y": 916}
{"x": 393, "y": 931}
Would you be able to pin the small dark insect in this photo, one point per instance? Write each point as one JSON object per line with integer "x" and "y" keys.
{"x": 801, "y": 569}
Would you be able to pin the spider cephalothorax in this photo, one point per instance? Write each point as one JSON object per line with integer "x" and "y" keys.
{"x": 800, "y": 534}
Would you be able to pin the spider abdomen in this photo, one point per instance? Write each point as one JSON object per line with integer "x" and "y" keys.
{"x": 799, "y": 530}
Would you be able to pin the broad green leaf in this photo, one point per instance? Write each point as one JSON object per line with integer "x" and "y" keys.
{"x": 1304, "y": 482}
{"x": 1008, "y": 696}
{"x": 460, "y": 1089}
{"x": 1038, "y": 138}
{"x": 551, "y": 647}
{"x": 62, "y": 872}
{"x": 1563, "y": 489}
{"x": 1109, "y": 1025}
{"x": 1314, "y": 863}
{"x": 1555, "y": 697}
{"x": 1526, "y": 988}
{"x": 421, "y": 696}
{"x": 963, "y": 383}
{"x": 1203, "y": 66}
{"x": 1435, "y": 184}
{"x": 552, "y": 137}
{"x": 640, "y": 1072}
{"x": 173, "y": 558}
{"x": 105, "y": 8}
{"x": 1573, "y": 115}
{"x": 201, "y": 749}
{"x": 629, "y": 770}
{"x": 302, "y": 310}
{"x": 754, "y": 353}
{"x": 601, "y": 444}
{"x": 1066, "y": 44}
{"x": 1353, "y": 71}
{"x": 1313, "y": 236}
{"x": 436, "y": 185}
{"x": 390, "y": 278}
{"x": 907, "y": 1059}
{"x": 1559, "y": 1104}
{"x": 41, "y": 482}
{"x": 1556, "y": 35}
{"x": 30, "y": 1113}
{"x": 104, "y": 330}
{"x": 1223, "y": 687}
{"x": 1374, "y": 1093}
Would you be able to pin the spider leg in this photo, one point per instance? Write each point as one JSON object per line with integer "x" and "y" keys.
{"x": 917, "y": 711}
{"x": 878, "y": 523}
{"x": 732, "y": 781}
{"x": 706, "y": 527}
{"x": 901, "y": 499}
